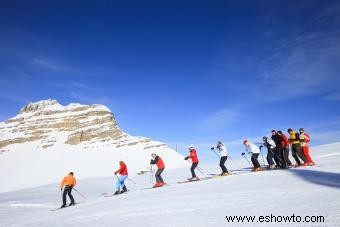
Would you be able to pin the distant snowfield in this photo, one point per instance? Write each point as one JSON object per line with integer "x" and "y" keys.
{"x": 305, "y": 191}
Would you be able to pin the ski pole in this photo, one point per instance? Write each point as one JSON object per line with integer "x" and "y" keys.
{"x": 246, "y": 159}
{"x": 131, "y": 180}
{"x": 262, "y": 156}
{"x": 151, "y": 175}
{"x": 80, "y": 193}
{"x": 198, "y": 168}
{"x": 213, "y": 149}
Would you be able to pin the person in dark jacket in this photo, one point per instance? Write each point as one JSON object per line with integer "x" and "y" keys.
{"x": 277, "y": 150}
{"x": 156, "y": 160}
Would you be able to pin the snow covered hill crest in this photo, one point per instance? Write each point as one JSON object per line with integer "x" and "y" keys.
{"x": 46, "y": 140}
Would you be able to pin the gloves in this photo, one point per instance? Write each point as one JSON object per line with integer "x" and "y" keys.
{"x": 261, "y": 147}
{"x": 243, "y": 153}
{"x": 61, "y": 189}
{"x": 186, "y": 158}
{"x": 212, "y": 148}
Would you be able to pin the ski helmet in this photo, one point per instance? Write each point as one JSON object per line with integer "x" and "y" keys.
{"x": 153, "y": 155}
{"x": 264, "y": 138}
{"x": 301, "y": 130}
{"x": 191, "y": 147}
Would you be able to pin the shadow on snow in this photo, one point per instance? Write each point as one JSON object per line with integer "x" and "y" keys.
{"x": 318, "y": 177}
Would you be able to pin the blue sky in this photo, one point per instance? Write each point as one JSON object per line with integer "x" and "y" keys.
{"x": 182, "y": 72}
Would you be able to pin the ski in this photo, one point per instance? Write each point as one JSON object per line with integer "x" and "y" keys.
{"x": 165, "y": 185}
{"x": 59, "y": 208}
{"x": 189, "y": 181}
{"x": 112, "y": 194}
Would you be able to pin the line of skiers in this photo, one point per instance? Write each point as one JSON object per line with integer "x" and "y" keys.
{"x": 278, "y": 150}
{"x": 277, "y": 157}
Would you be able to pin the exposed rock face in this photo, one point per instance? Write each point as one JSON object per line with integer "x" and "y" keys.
{"x": 48, "y": 123}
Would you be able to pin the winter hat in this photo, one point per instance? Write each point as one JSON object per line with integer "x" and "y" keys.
{"x": 191, "y": 147}
{"x": 264, "y": 138}
{"x": 279, "y": 132}
{"x": 245, "y": 141}
{"x": 289, "y": 130}
{"x": 301, "y": 129}
{"x": 153, "y": 155}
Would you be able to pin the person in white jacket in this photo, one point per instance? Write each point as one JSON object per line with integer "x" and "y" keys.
{"x": 223, "y": 157}
{"x": 270, "y": 144}
{"x": 255, "y": 152}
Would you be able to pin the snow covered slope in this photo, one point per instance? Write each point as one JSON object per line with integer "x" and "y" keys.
{"x": 46, "y": 140}
{"x": 304, "y": 191}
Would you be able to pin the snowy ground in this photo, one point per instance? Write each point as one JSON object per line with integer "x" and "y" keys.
{"x": 305, "y": 191}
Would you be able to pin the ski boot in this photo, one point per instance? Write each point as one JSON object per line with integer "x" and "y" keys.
{"x": 124, "y": 189}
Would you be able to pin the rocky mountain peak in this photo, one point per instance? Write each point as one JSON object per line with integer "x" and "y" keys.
{"x": 49, "y": 123}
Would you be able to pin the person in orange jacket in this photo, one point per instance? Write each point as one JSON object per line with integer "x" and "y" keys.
{"x": 123, "y": 172}
{"x": 156, "y": 160}
{"x": 305, "y": 139}
{"x": 69, "y": 182}
{"x": 194, "y": 159}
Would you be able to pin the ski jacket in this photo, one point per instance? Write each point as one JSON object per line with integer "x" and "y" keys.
{"x": 69, "y": 180}
{"x": 305, "y": 139}
{"x": 294, "y": 137}
{"x": 270, "y": 144}
{"x": 252, "y": 148}
{"x": 158, "y": 161}
{"x": 193, "y": 156}
{"x": 284, "y": 141}
{"x": 122, "y": 170}
{"x": 277, "y": 139}
{"x": 223, "y": 150}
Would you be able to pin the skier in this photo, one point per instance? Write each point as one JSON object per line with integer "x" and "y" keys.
{"x": 270, "y": 144}
{"x": 223, "y": 157}
{"x": 277, "y": 150}
{"x": 294, "y": 139}
{"x": 285, "y": 150}
{"x": 123, "y": 172}
{"x": 156, "y": 160}
{"x": 69, "y": 182}
{"x": 194, "y": 159}
{"x": 305, "y": 139}
{"x": 254, "y": 151}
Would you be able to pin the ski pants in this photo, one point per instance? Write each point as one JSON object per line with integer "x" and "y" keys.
{"x": 67, "y": 191}
{"x": 296, "y": 152}
{"x": 278, "y": 157}
{"x": 305, "y": 152}
{"x": 158, "y": 177}
{"x": 192, "y": 169}
{"x": 285, "y": 156}
{"x": 270, "y": 156}
{"x": 120, "y": 182}
{"x": 222, "y": 162}
{"x": 254, "y": 160}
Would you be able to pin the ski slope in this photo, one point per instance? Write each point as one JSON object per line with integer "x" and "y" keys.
{"x": 304, "y": 191}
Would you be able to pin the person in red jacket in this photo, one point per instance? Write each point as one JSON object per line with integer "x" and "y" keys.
{"x": 194, "y": 160}
{"x": 123, "y": 172}
{"x": 305, "y": 139}
{"x": 284, "y": 145}
{"x": 156, "y": 160}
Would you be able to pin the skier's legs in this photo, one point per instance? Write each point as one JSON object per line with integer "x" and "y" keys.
{"x": 299, "y": 153}
{"x": 64, "y": 196}
{"x": 158, "y": 177}
{"x": 305, "y": 151}
{"x": 254, "y": 160}
{"x": 192, "y": 169}
{"x": 70, "y": 195}
{"x": 270, "y": 155}
{"x": 120, "y": 183}
{"x": 295, "y": 156}
{"x": 222, "y": 162}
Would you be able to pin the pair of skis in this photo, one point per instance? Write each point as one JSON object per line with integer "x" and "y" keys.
{"x": 59, "y": 208}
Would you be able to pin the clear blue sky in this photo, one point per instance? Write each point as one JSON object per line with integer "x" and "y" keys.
{"x": 182, "y": 72}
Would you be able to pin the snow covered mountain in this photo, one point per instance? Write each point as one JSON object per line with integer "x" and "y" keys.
{"x": 46, "y": 140}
